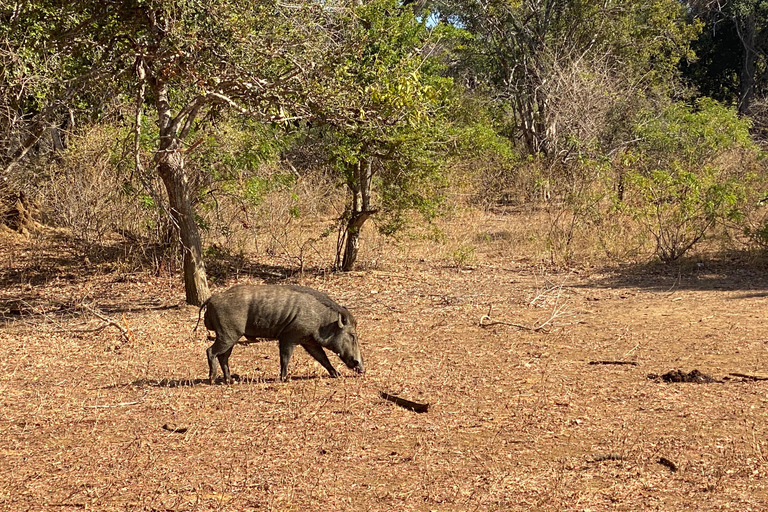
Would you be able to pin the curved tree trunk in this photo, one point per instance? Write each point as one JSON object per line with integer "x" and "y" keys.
{"x": 171, "y": 170}
{"x": 170, "y": 167}
{"x": 352, "y": 244}
{"x": 745, "y": 26}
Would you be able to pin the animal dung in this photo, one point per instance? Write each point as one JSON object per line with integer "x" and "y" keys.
{"x": 405, "y": 404}
{"x": 694, "y": 376}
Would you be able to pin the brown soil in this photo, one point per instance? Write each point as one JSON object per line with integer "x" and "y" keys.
{"x": 98, "y": 418}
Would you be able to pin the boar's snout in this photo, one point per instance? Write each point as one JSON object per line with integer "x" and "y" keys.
{"x": 355, "y": 364}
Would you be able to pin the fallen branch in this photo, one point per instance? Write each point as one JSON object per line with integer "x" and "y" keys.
{"x": 549, "y": 287}
{"x": 666, "y": 462}
{"x": 490, "y": 322}
{"x": 175, "y": 429}
{"x": 121, "y": 404}
{"x": 125, "y": 331}
{"x": 632, "y": 363}
{"x": 499, "y": 322}
{"x": 85, "y": 331}
{"x": 750, "y": 377}
{"x": 600, "y": 457}
{"x": 406, "y": 404}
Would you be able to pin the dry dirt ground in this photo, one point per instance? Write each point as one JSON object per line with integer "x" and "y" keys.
{"x": 95, "y": 419}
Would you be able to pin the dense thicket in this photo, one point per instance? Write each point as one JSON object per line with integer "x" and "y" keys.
{"x": 169, "y": 121}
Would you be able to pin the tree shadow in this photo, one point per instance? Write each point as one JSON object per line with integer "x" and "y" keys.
{"x": 32, "y": 309}
{"x": 732, "y": 272}
{"x": 58, "y": 260}
{"x": 222, "y": 265}
{"x": 61, "y": 258}
{"x": 58, "y": 257}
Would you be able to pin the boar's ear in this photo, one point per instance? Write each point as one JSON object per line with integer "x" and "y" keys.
{"x": 341, "y": 321}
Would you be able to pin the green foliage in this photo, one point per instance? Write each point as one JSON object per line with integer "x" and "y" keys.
{"x": 238, "y": 161}
{"x": 680, "y": 207}
{"x": 692, "y": 134}
{"x": 683, "y": 180}
{"x": 147, "y": 202}
{"x": 463, "y": 256}
{"x": 391, "y": 112}
{"x": 256, "y": 187}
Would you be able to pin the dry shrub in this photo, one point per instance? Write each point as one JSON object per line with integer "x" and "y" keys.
{"x": 583, "y": 95}
{"x": 89, "y": 193}
{"x": 749, "y": 230}
{"x": 298, "y": 226}
{"x": 291, "y": 225}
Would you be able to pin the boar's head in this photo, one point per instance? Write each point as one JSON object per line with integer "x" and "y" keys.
{"x": 343, "y": 341}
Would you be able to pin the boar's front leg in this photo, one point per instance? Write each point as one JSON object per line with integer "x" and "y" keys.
{"x": 286, "y": 351}
{"x": 318, "y": 353}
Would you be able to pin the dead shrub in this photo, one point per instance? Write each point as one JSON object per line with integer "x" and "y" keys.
{"x": 289, "y": 221}
{"x": 88, "y": 193}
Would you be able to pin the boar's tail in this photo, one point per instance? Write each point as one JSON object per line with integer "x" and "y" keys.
{"x": 200, "y": 313}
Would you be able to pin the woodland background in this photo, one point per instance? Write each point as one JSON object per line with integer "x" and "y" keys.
{"x": 192, "y": 132}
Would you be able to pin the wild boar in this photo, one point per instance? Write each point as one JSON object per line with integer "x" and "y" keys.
{"x": 293, "y": 315}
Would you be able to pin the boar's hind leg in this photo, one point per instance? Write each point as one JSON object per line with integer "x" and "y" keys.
{"x": 318, "y": 353}
{"x": 224, "y": 363}
{"x": 221, "y": 349}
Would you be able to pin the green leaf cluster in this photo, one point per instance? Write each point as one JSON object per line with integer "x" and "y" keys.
{"x": 391, "y": 109}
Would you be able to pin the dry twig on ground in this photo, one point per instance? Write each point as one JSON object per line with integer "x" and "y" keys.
{"x": 125, "y": 331}
{"x": 485, "y": 321}
{"x": 121, "y": 404}
{"x": 748, "y": 377}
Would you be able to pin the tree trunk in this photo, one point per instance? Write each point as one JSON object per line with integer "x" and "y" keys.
{"x": 361, "y": 196}
{"x": 170, "y": 166}
{"x": 15, "y": 212}
{"x": 745, "y": 26}
{"x": 171, "y": 170}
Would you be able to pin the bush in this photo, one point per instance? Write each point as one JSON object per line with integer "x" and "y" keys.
{"x": 688, "y": 173}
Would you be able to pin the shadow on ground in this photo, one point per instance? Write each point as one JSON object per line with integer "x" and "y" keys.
{"x": 59, "y": 258}
{"x": 34, "y": 272}
{"x": 181, "y": 383}
{"x": 32, "y": 309}
{"x": 734, "y": 272}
